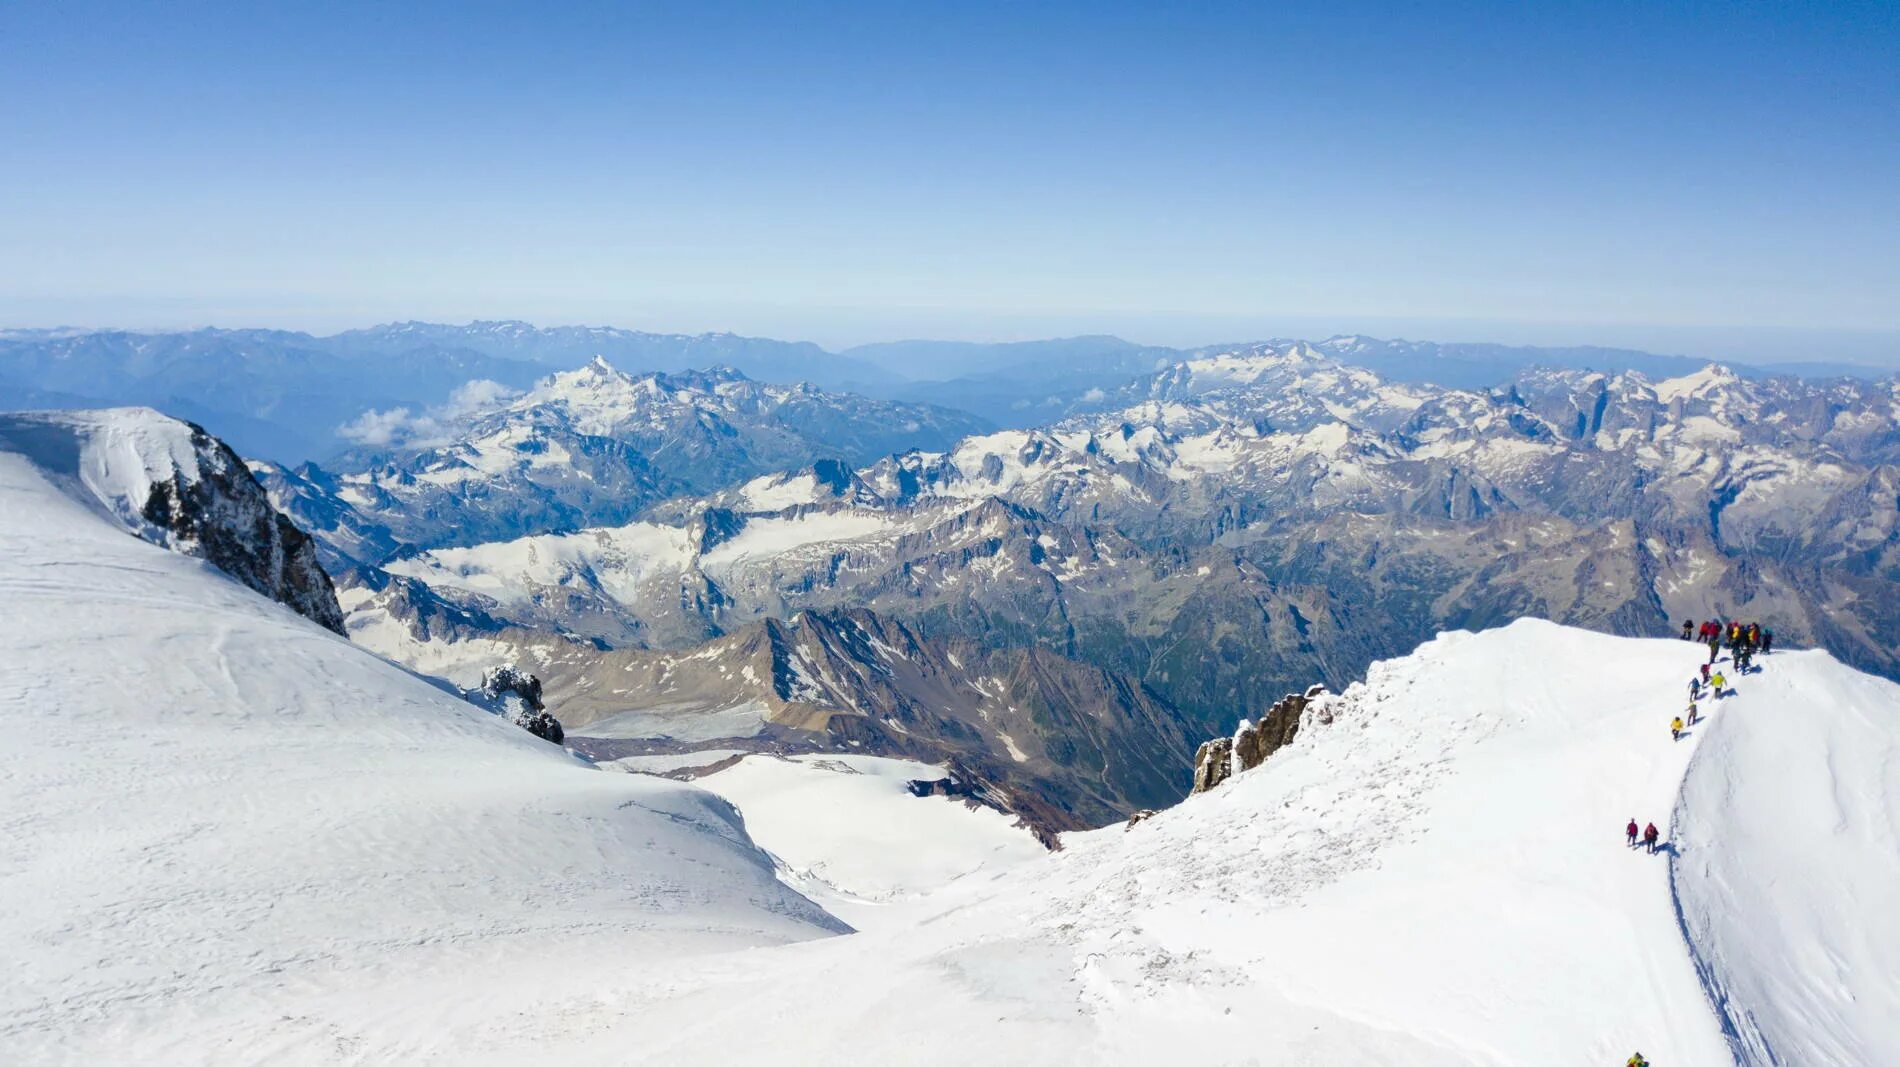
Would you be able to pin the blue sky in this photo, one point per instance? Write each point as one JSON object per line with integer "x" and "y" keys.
{"x": 1685, "y": 176}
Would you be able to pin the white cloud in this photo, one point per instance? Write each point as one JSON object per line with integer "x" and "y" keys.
{"x": 402, "y": 426}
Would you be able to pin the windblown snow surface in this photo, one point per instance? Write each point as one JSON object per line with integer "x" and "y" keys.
{"x": 230, "y": 837}
{"x": 227, "y": 835}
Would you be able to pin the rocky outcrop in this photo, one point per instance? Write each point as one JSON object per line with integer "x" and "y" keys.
{"x": 172, "y": 484}
{"x": 220, "y": 513}
{"x": 1212, "y": 763}
{"x": 515, "y": 693}
{"x": 502, "y": 681}
{"x": 542, "y": 725}
{"x": 1224, "y": 757}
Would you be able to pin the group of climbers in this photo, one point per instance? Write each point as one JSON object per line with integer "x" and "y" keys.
{"x": 1650, "y": 835}
{"x": 1743, "y": 640}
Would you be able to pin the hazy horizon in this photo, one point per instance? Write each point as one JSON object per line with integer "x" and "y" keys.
{"x": 1758, "y": 345}
{"x": 1716, "y": 183}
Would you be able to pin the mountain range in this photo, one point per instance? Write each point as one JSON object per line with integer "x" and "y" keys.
{"x": 289, "y": 397}
{"x": 1298, "y": 516}
{"x": 1176, "y": 549}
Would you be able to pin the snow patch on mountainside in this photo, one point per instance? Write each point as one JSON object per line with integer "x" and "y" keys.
{"x": 850, "y": 835}
{"x": 614, "y": 560}
{"x": 768, "y": 538}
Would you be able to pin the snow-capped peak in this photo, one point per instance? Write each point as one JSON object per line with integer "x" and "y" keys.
{"x": 1710, "y": 379}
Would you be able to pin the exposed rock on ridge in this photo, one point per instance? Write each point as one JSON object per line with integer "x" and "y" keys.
{"x": 1222, "y": 758}
{"x": 171, "y": 483}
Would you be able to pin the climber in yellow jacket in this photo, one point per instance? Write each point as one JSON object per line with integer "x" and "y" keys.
{"x": 1675, "y": 728}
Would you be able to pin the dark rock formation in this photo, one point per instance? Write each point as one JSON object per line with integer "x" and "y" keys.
{"x": 504, "y": 680}
{"x": 1250, "y": 746}
{"x": 1139, "y": 817}
{"x": 1212, "y": 763}
{"x": 515, "y": 693}
{"x": 220, "y": 513}
{"x": 541, "y": 724}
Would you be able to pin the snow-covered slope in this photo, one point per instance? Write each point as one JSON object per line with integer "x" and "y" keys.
{"x": 1433, "y": 872}
{"x": 231, "y": 836}
{"x": 849, "y": 833}
{"x": 1789, "y": 826}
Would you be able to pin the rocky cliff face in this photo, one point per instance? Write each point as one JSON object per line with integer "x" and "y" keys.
{"x": 175, "y": 485}
{"x": 219, "y": 512}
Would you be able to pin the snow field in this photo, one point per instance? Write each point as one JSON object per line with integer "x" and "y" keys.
{"x": 849, "y": 834}
{"x": 231, "y": 837}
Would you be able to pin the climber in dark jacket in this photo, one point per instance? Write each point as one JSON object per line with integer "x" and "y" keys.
{"x": 1632, "y": 832}
{"x": 1650, "y": 834}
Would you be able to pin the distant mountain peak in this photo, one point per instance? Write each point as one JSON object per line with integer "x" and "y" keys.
{"x": 1711, "y": 379}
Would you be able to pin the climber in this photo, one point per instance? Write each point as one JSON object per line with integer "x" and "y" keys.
{"x": 1632, "y": 832}
{"x": 1717, "y": 682}
{"x": 1637, "y": 1061}
{"x": 1715, "y": 646}
{"x": 1695, "y": 688}
{"x": 1705, "y": 674}
{"x": 1650, "y": 834}
{"x": 1687, "y": 627}
{"x": 1675, "y": 728}
{"x": 1692, "y": 713}
{"x": 1767, "y": 641}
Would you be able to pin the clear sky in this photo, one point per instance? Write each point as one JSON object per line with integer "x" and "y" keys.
{"x": 1641, "y": 173}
